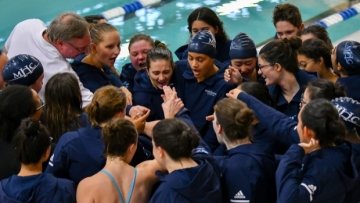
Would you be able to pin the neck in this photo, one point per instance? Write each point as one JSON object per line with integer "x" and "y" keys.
{"x": 30, "y": 169}
{"x": 181, "y": 164}
{"x": 229, "y": 145}
{"x": 289, "y": 85}
{"x": 115, "y": 162}
{"x": 327, "y": 74}
{"x": 211, "y": 72}
{"x": 89, "y": 59}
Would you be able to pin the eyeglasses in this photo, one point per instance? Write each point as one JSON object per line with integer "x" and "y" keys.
{"x": 81, "y": 50}
{"x": 263, "y": 66}
{"x": 42, "y": 104}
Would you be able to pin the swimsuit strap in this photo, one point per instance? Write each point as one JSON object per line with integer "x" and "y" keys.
{"x": 131, "y": 186}
{"x": 113, "y": 181}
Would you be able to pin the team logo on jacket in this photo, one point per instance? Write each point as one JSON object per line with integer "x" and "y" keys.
{"x": 239, "y": 197}
{"x": 210, "y": 92}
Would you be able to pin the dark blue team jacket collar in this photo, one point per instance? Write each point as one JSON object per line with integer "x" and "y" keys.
{"x": 302, "y": 78}
{"x": 252, "y": 148}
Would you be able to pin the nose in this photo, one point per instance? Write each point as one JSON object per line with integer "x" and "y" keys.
{"x": 161, "y": 77}
{"x": 259, "y": 72}
{"x": 193, "y": 64}
{"x": 141, "y": 56}
{"x": 117, "y": 50}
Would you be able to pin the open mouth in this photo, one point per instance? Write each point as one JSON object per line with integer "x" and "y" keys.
{"x": 142, "y": 65}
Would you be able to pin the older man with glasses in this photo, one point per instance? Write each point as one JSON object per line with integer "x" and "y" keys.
{"x": 66, "y": 37}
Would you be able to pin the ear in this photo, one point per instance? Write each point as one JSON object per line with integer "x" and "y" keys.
{"x": 161, "y": 151}
{"x": 308, "y": 133}
{"x": 92, "y": 48}
{"x": 46, "y": 155}
{"x": 277, "y": 67}
{"x": 216, "y": 30}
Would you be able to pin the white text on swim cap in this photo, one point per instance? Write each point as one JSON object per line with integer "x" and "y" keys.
{"x": 24, "y": 72}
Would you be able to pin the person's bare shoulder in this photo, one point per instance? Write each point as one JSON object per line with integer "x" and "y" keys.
{"x": 91, "y": 189}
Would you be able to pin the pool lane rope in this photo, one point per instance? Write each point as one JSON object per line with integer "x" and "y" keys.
{"x": 340, "y": 16}
{"x": 128, "y": 8}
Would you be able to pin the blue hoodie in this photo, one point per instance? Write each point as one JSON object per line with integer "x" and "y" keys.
{"x": 291, "y": 108}
{"x": 351, "y": 85}
{"x": 279, "y": 126}
{"x": 41, "y": 188}
{"x": 127, "y": 76}
{"x": 248, "y": 174}
{"x": 93, "y": 78}
{"x": 329, "y": 174}
{"x": 78, "y": 154}
{"x": 198, "y": 184}
{"x": 201, "y": 97}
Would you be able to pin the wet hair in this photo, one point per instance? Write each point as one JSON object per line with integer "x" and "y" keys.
{"x": 118, "y": 135}
{"x": 176, "y": 138}
{"x": 283, "y": 52}
{"x": 31, "y": 141}
{"x": 159, "y": 52}
{"x": 316, "y": 49}
{"x": 324, "y": 89}
{"x": 16, "y": 103}
{"x": 208, "y": 16}
{"x": 107, "y": 101}
{"x": 287, "y": 12}
{"x": 97, "y": 31}
{"x": 94, "y": 19}
{"x": 235, "y": 118}
{"x": 322, "y": 117}
{"x": 139, "y": 37}
{"x": 258, "y": 90}
{"x": 67, "y": 26}
{"x": 319, "y": 32}
{"x": 63, "y": 104}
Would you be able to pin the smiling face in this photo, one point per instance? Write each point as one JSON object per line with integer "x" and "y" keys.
{"x": 268, "y": 72}
{"x": 245, "y": 66}
{"x": 107, "y": 50}
{"x": 160, "y": 72}
{"x": 138, "y": 53}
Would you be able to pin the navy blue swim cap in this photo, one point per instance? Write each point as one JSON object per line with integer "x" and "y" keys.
{"x": 22, "y": 69}
{"x": 349, "y": 111}
{"x": 204, "y": 43}
{"x": 348, "y": 55}
{"x": 242, "y": 47}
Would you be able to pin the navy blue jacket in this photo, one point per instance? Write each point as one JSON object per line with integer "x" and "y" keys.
{"x": 281, "y": 104}
{"x": 93, "y": 78}
{"x": 200, "y": 98}
{"x": 351, "y": 85}
{"x": 78, "y": 154}
{"x": 127, "y": 76}
{"x": 330, "y": 174}
{"x": 41, "y": 188}
{"x": 200, "y": 184}
{"x": 222, "y": 51}
{"x": 279, "y": 126}
{"x": 248, "y": 174}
